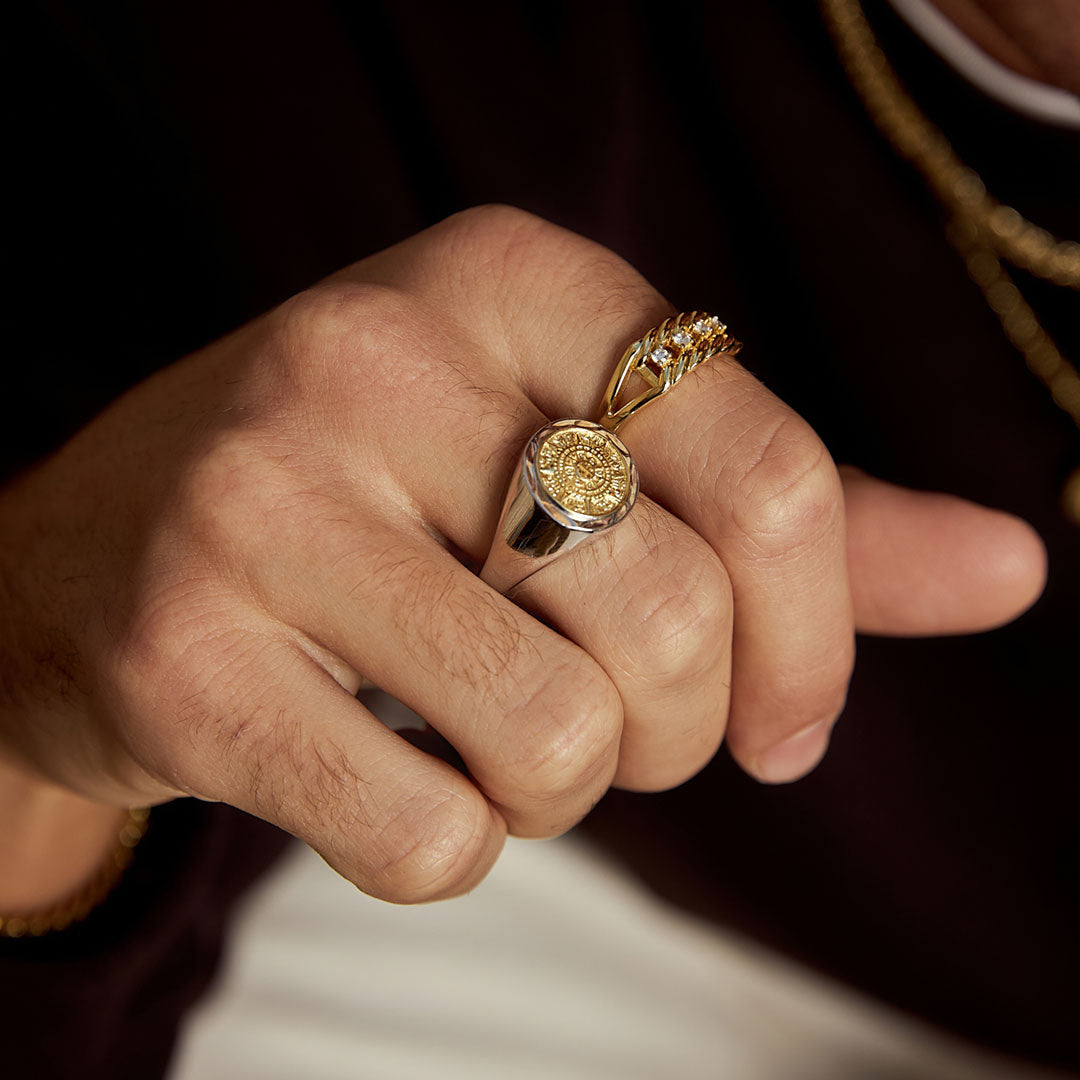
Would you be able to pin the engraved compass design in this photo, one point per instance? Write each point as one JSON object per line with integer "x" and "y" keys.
{"x": 585, "y": 470}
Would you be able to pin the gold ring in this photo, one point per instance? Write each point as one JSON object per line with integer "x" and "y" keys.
{"x": 575, "y": 478}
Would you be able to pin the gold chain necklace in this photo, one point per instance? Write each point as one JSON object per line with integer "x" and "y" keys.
{"x": 80, "y": 903}
{"x": 984, "y": 231}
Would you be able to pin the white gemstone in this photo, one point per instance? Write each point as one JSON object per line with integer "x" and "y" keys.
{"x": 681, "y": 338}
{"x": 702, "y": 326}
{"x": 660, "y": 356}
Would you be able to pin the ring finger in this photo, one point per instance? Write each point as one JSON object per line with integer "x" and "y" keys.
{"x": 651, "y": 602}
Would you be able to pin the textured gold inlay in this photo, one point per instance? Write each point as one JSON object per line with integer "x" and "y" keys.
{"x": 583, "y": 471}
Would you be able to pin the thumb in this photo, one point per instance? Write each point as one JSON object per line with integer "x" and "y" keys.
{"x": 926, "y": 563}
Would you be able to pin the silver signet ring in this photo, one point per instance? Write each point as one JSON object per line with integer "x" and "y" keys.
{"x": 575, "y": 479}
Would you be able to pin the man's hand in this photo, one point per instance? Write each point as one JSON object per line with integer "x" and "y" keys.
{"x": 199, "y": 582}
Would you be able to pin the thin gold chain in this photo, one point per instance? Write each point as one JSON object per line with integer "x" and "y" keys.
{"x": 985, "y": 232}
{"x": 77, "y": 906}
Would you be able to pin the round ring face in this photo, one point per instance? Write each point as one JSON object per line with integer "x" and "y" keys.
{"x": 584, "y": 470}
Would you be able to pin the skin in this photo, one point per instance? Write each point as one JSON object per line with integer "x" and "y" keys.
{"x": 198, "y": 583}
{"x": 1037, "y": 38}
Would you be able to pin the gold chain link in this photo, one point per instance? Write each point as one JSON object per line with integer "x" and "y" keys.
{"x": 984, "y": 231}
{"x": 77, "y": 906}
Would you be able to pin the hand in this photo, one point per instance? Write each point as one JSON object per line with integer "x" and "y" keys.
{"x": 200, "y": 581}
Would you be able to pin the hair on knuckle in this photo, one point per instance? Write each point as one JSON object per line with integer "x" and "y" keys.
{"x": 467, "y": 635}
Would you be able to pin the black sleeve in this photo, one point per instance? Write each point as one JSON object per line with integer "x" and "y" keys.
{"x": 105, "y": 997}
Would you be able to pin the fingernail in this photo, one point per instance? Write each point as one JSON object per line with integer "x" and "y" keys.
{"x": 795, "y": 756}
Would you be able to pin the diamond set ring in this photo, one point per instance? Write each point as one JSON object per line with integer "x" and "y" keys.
{"x": 576, "y": 478}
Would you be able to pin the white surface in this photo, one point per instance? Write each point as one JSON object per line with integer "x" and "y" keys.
{"x": 1034, "y": 99}
{"x": 558, "y": 966}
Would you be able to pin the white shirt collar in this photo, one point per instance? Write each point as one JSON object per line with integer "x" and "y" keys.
{"x": 1034, "y": 99}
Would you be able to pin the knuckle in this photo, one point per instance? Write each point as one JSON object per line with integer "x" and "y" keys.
{"x": 336, "y": 310}
{"x": 498, "y": 252}
{"x": 244, "y": 486}
{"x": 486, "y": 254}
{"x": 431, "y": 847}
{"x": 681, "y": 629}
{"x": 154, "y": 648}
{"x": 469, "y": 251}
{"x": 566, "y": 738}
{"x": 220, "y": 490}
{"x": 339, "y": 330}
{"x": 788, "y": 493}
{"x": 196, "y": 672}
{"x": 493, "y": 222}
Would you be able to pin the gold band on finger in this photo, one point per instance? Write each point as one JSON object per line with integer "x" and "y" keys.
{"x": 575, "y": 478}
{"x": 661, "y": 358}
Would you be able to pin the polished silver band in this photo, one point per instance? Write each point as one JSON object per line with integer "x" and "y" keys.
{"x": 574, "y": 479}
